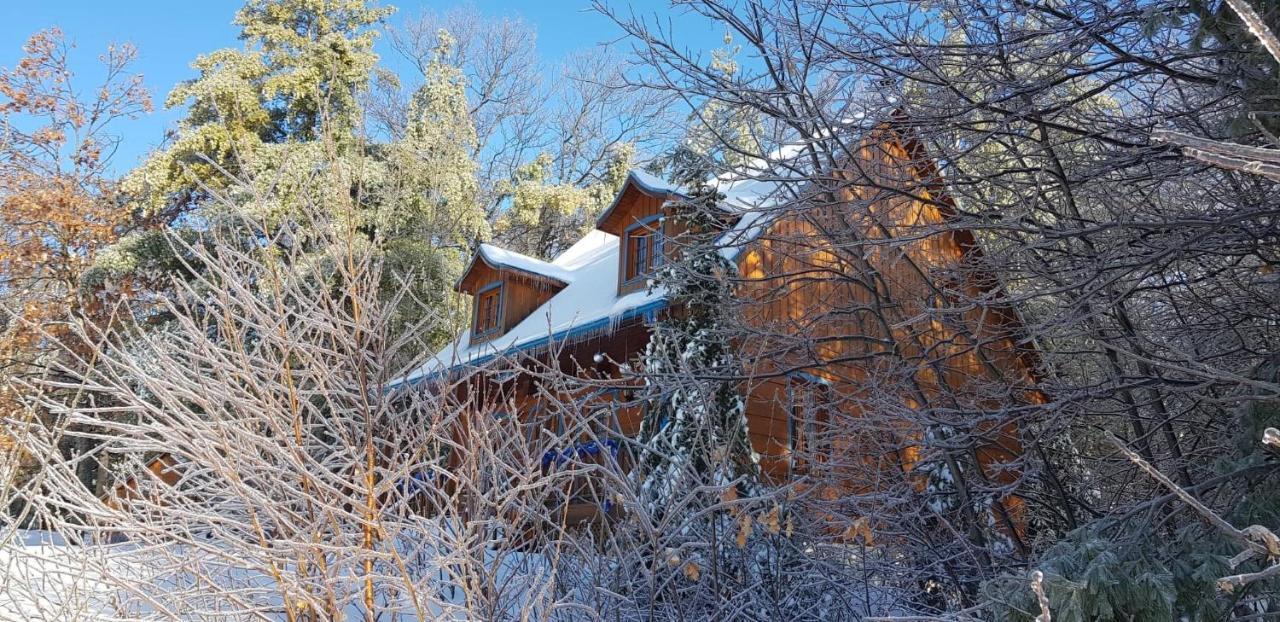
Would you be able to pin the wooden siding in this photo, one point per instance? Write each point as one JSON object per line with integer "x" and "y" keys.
{"x": 853, "y": 301}
{"x": 871, "y": 295}
{"x": 633, "y": 212}
{"x": 521, "y": 295}
{"x": 163, "y": 468}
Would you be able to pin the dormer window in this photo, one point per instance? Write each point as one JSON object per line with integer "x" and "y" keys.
{"x": 643, "y": 245}
{"x": 505, "y": 288}
{"x": 488, "y": 310}
{"x": 636, "y": 217}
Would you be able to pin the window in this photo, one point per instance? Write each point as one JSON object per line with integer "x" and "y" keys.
{"x": 808, "y": 434}
{"x": 488, "y": 309}
{"x": 643, "y": 247}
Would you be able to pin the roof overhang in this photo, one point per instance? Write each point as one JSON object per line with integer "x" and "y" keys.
{"x": 642, "y": 183}
{"x": 592, "y": 328}
{"x": 485, "y": 255}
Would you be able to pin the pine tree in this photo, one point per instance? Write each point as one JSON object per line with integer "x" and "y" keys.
{"x": 545, "y": 216}
{"x": 695, "y": 424}
{"x": 297, "y": 78}
{"x": 424, "y": 205}
{"x": 277, "y": 125}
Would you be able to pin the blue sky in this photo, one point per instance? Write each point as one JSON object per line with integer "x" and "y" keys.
{"x": 169, "y": 34}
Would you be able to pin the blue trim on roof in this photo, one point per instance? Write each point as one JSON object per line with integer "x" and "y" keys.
{"x": 649, "y": 311}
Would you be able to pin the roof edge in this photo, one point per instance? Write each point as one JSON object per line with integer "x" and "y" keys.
{"x": 480, "y": 254}
{"x": 568, "y": 335}
{"x": 645, "y": 183}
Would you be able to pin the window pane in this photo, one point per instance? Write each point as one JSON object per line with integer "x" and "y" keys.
{"x": 642, "y": 254}
{"x": 487, "y": 310}
{"x": 642, "y": 251}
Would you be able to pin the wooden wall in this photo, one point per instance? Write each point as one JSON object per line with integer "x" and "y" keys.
{"x": 522, "y": 294}
{"x": 163, "y": 467}
{"x": 872, "y": 295}
{"x": 862, "y": 302}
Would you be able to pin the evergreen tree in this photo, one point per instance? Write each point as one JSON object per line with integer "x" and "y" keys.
{"x": 1245, "y": 71}
{"x": 277, "y": 125}
{"x": 425, "y": 203}
{"x": 296, "y": 79}
{"x": 544, "y": 217}
{"x": 695, "y": 425}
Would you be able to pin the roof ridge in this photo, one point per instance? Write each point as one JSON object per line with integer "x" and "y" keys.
{"x": 509, "y": 251}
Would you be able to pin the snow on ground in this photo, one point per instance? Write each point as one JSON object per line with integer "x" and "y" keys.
{"x": 46, "y": 579}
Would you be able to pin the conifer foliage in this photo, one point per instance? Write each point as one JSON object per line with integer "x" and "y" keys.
{"x": 695, "y": 423}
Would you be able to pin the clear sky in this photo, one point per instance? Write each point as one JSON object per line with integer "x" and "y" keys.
{"x": 169, "y": 34}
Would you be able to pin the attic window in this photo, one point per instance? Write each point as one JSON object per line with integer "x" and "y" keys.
{"x": 643, "y": 248}
{"x": 488, "y": 309}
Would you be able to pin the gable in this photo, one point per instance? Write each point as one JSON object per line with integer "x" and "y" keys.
{"x": 505, "y": 288}
{"x": 490, "y": 263}
{"x": 640, "y": 191}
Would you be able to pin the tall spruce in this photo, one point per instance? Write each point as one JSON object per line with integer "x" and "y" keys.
{"x": 695, "y": 425}
{"x": 277, "y": 125}
{"x": 297, "y": 78}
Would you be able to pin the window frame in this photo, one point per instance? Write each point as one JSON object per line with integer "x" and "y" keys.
{"x": 482, "y": 294}
{"x": 804, "y": 417}
{"x": 653, "y": 249}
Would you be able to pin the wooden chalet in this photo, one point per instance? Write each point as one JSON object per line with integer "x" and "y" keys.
{"x": 587, "y": 313}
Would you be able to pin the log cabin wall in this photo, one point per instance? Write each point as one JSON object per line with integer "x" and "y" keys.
{"x": 525, "y": 399}
{"x": 858, "y": 305}
{"x": 163, "y": 468}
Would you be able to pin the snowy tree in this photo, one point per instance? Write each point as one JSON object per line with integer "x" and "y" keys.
{"x": 695, "y": 415}
{"x": 266, "y": 467}
{"x": 297, "y": 78}
{"x": 59, "y": 209}
{"x": 553, "y": 143}
{"x": 544, "y": 217}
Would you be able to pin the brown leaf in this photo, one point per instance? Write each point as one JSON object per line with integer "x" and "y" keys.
{"x": 771, "y": 520}
{"x": 744, "y": 529}
{"x": 692, "y": 571}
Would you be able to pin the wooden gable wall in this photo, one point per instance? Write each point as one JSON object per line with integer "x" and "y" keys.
{"x": 849, "y": 294}
{"x": 521, "y": 295}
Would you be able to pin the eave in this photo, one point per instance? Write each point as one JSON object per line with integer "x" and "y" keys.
{"x": 489, "y": 255}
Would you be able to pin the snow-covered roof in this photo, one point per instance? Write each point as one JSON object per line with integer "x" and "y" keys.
{"x": 587, "y": 303}
{"x": 655, "y": 184}
{"x": 589, "y": 269}
{"x": 502, "y": 258}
